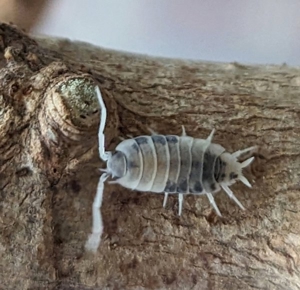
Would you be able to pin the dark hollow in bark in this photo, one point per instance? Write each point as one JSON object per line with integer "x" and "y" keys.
{"x": 49, "y": 118}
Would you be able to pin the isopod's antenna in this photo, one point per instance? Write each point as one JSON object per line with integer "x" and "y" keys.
{"x": 94, "y": 239}
{"x": 104, "y": 155}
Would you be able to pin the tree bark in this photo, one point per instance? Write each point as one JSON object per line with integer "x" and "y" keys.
{"x": 49, "y": 118}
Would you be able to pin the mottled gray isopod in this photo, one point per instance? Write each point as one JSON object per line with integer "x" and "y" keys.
{"x": 166, "y": 164}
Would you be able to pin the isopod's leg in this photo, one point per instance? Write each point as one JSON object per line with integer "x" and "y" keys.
{"x": 232, "y": 196}
{"x": 97, "y": 229}
{"x": 104, "y": 155}
{"x": 211, "y": 135}
{"x": 183, "y": 131}
{"x": 152, "y": 131}
{"x": 245, "y": 181}
{"x": 241, "y": 152}
{"x": 165, "y": 199}
{"x": 180, "y": 202}
{"x": 213, "y": 203}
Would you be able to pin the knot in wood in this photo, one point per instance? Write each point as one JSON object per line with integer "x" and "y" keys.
{"x": 70, "y": 109}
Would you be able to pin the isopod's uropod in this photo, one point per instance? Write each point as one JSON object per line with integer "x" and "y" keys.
{"x": 166, "y": 164}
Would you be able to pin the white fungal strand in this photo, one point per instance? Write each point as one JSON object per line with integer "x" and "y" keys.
{"x": 168, "y": 164}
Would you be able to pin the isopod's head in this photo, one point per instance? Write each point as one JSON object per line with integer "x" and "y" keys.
{"x": 116, "y": 164}
{"x": 228, "y": 170}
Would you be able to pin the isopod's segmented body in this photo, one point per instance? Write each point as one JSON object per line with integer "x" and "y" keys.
{"x": 174, "y": 164}
{"x": 167, "y": 164}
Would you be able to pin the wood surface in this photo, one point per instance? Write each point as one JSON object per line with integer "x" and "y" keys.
{"x": 49, "y": 163}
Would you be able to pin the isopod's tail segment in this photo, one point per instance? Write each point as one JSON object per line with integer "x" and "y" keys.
{"x": 232, "y": 196}
{"x": 242, "y": 177}
{"x": 94, "y": 239}
{"x": 104, "y": 155}
{"x": 238, "y": 153}
{"x": 244, "y": 164}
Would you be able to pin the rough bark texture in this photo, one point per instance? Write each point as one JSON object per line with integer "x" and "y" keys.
{"x": 48, "y": 171}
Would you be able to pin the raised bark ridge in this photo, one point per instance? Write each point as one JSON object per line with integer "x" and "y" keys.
{"x": 48, "y": 171}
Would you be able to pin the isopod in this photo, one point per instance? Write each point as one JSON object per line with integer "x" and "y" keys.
{"x": 166, "y": 164}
